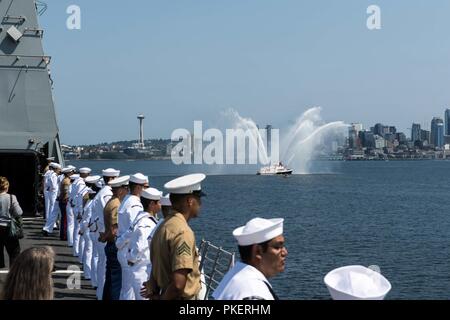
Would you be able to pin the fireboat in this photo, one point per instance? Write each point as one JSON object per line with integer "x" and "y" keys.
{"x": 275, "y": 169}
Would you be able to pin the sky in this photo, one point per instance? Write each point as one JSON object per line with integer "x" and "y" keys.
{"x": 177, "y": 61}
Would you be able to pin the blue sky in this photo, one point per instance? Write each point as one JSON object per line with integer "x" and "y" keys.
{"x": 178, "y": 61}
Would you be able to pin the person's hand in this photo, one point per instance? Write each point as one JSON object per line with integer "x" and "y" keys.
{"x": 146, "y": 292}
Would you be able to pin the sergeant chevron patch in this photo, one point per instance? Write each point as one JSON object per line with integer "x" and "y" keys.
{"x": 184, "y": 249}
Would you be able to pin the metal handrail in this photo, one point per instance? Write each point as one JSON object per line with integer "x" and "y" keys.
{"x": 214, "y": 264}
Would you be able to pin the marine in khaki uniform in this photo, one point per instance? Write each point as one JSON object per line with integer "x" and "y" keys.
{"x": 174, "y": 257}
{"x": 113, "y": 275}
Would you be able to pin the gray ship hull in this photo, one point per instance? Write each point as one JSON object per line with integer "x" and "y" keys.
{"x": 28, "y": 127}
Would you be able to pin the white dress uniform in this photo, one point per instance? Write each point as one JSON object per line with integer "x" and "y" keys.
{"x": 127, "y": 213}
{"x": 138, "y": 255}
{"x": 93, "y": 236}
{"x": 46, "y": 197}
{"x": 53, "y": 217}
{"x": 86, "y": 254}
{"x": 52, "y": 187}
{"x": 128, "y": 210}
{"x": 243, "y": 281}
{"x": 77, "y": 212}
{"x": 97, "y": 226}
{"x": 80, "y": 191}
{"x": 69, "y": 209}
{"x": 139, "y": 251}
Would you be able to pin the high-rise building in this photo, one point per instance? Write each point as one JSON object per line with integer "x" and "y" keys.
{"x": 447, "y": 122}
{"x": 437, "y": 132}
{"x": 425, "y": 136}
{"x": 378, "y": 129}
{"x": 367, "y": 139}
{"x": 415, "y": 132}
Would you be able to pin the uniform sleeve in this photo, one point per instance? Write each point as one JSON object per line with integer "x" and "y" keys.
{"x": 183, "y": 251}
{"x": 138, "y": 244}
{"x": 54, "y": 183}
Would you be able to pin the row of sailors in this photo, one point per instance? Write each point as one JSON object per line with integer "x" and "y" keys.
{"x": 113, "y": 230}
{"x": 129, "y": 254}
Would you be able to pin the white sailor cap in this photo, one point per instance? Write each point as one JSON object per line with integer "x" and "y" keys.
{"x": 357, "y": 283}
{"x": 258, "y": 230}
{"x": 151, "y": 194}
{"x": 85, "y": 170}
{"x": 55, "y": 165}
{"x": 139, "y": 178}
{"x": 71, "y": 167}
{"x": 74, "y": 176}
{"x": 119, "y": 182}
{"x": 187, "y": 184}
{"x": 51, "y": 159}
{"x": 111, "y": 173}
{"x": 165, "y": 201}
{"x": 67, "y": 170}
{"x": 92, "y": 179}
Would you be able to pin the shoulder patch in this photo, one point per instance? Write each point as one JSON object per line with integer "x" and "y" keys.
{"x": 184, "y": 249}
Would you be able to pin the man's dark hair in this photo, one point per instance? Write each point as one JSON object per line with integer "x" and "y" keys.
{"x": 177, "y": 199}
{"x": 133, "y": 185}
{"x": 246, "y": 251}
{"x": 146, "y": 202}
{"x": 107, "y": 179}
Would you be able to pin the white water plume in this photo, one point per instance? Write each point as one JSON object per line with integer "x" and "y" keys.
{"x": 300, "y": 144}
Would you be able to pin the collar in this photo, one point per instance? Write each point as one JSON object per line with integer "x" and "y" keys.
{"x": 255, "y": 272}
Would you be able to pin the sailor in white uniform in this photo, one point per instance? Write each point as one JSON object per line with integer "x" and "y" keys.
{"x": 98, "y": 226}
{"x": 263, "y": 255}
{"x": 47, "y": 171}
{"x": 69, "y": 209}
{"x": 128, "y": 210}
{"x": 93, "y": 235}
{"x": 52, "y": 187}
{"x": 84, "y": 233}
{"x": 86, "y": 253}
{"x": 138, "y": 255}
{"x": 80, "y": 191}
{"x": 53, "y": 217}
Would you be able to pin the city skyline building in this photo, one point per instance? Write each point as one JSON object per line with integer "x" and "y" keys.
{"x": 437, "y": 132}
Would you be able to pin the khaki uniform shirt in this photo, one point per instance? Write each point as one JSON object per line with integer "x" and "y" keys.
{"x": 65, "y": 184}
{"x": 110, "y": 217}
{"x": 173, "y": 248}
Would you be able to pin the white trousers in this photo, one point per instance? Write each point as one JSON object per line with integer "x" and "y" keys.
{"x": 87, "y": 256}
{"x": 51, "y": 204}
{"x": 81, "y": 244}
{"x": 46, "y": 203}
{"x": 94, "y": 259}
{"x": 70, "y": 224}
{"x": 139, "y": 275}
{"x": 52, "y": 218}
{"x": 101, "y": 268}
{"x": 126, "y": 292}
{"x": 76, "y": 236}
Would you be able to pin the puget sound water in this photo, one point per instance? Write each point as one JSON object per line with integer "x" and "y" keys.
{"x": 395, "y": 215}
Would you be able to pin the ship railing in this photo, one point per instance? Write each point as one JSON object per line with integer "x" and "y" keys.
{"x": 214, "y": 264}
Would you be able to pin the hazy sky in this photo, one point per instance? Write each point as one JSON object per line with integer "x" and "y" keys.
{"x": 178, "y": 61}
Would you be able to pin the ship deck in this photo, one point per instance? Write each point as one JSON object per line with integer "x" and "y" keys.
{"x": 64, "y": 259}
